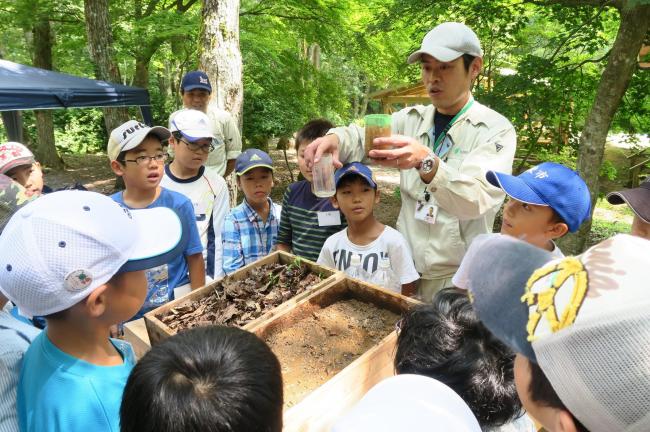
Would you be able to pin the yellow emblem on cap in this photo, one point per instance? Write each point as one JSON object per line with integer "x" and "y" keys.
{"x": 565, "y": 270}
{"x": 255, "y": 157}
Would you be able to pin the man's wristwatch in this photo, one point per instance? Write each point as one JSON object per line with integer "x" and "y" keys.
{"x": 427, "y": 164}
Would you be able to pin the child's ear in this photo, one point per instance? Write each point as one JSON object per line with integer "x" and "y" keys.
{"x": 558, "y": 229}
{"x": 564, "y": 422}
{"x": 334, "y": 202}
{"x": 238, "y": 182}
{"x": 96, "y": 302}
{"x": 377, "y": 196}
{"x": 117, "y": 168}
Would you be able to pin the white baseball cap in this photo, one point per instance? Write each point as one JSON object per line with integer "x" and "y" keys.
{"x": 192, "y": 124}
{"x": 407, "y": 403}
{"x": 448, "y": 41}
{"x": 584, "y": 320}
{"x": 129, "y": 135}
{"x": 57, "y": 249}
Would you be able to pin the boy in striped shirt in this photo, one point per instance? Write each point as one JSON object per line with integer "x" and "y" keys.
{"x": 307, "y": 220}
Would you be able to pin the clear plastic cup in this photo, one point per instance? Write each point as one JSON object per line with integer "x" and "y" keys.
{"x": 323, "y": 177}
{"x": 376, "y": 126}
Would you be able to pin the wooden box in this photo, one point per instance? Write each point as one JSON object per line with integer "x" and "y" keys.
{"x": 158, "y": 330}
{"x": 320, "y": 408}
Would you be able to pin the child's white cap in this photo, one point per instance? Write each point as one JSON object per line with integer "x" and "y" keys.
{"x": 129, "y": 135}
{"x": 59, "y": 248}
{"x": 192, "y": 124}
{"x": 409, "y": 403}
{"x": 13, "y": 154}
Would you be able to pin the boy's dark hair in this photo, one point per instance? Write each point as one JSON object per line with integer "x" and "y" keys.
{"x": 446, "y": 341}
{"x": 205, "y": 379}
{"x": 311, "y": 130}
{"x": 542, "y": 392}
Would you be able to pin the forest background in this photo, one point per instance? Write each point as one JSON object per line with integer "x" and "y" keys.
{"x": 546, "y": 65}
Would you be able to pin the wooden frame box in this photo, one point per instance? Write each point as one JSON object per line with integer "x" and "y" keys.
{"x": 320, "y": 408}
{"x": 158, "y": 331}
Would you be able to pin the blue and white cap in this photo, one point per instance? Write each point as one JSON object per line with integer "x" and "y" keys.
{"x": 196, "y": 80}
{"x": 192, "y": 124}
{"x": 59, "y": 248}
{"x": 252, "y": 158}
{"x": 355, "y": 168}
{"x": 549, "y": 184}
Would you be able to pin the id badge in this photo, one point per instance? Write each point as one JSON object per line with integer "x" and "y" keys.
{"x": 329, "y": 218}
{"x": 426, "y": 211}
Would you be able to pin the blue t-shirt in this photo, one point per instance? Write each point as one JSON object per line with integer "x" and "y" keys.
{"x": 59, "y": 392}
{"x": 163, "y": 279}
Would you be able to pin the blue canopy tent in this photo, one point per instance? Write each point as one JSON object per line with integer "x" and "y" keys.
{"x": 27, "y": 88}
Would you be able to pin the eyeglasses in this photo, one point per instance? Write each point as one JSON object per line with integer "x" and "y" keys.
{"x": 194, "y": 146}
{"x": 144, "y": 160}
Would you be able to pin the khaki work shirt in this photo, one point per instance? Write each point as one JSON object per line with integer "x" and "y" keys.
{"x": 482, "y": 140}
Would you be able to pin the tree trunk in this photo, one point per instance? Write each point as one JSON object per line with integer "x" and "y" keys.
{"x": 45, "y": 149}
{"x": 220, "y": 58}
{"x": 613, "y": 84}
{"x": 100, "y": 45}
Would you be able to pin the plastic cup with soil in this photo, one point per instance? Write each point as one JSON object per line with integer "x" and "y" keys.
{"x": 238, "y": 302}
{"x": 376, "y": 126}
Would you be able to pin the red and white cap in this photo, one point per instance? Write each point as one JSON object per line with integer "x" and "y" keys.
{"x": 13, "y": 154}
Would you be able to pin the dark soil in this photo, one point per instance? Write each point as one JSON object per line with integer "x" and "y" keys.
{"x": 314, "y": 349}
{"x": 238, "y": 302}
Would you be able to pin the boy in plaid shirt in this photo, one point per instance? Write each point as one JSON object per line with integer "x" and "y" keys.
{"x": 250, "y": 230}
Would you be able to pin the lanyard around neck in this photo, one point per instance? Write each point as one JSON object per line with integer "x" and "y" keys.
{"x": 443, "y": 134}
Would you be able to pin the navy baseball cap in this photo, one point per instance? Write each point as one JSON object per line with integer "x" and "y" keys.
{"x": 196, "y": 80}
{"x": 355, "y": 168}
{"x": 252, "y": 158}
{"x": 549, "y": 184}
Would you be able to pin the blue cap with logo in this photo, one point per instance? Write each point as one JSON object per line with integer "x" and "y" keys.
{"x": 355, "y": 168}
{"x": 549, "y": 184}
{"x": 196, "y": 80}
{"x": 252, "y": 158}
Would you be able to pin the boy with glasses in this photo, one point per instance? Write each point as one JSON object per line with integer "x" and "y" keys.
{"x": 191, "y": 141}
{"x": 137, "y": 155}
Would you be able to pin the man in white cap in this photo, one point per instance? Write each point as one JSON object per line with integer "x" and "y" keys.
{"x": 443, "y": 151}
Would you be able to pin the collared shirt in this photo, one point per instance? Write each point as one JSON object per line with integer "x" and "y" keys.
{"x": 481, "y": 140}
{"x": 15, "y": 337}
{"x": 246, "y": 237}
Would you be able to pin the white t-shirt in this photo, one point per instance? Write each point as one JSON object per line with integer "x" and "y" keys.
{"x": 338, "y": 250}
{"x": 461, "y": 278}
{"x": 211, "y": 200}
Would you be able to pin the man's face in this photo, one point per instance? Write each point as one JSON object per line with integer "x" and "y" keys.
{"x": 196, "y": 99}
{"x": 448, "y": 83}
{"x": 30, "y": 176}
{"x": 640, "y": 228}
{"x": 302, "y": 165}
{"x": 256, "y": 184}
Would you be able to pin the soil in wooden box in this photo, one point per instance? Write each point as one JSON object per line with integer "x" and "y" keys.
{"x": 237, "y": 302}
{"x": 314, "y": 349}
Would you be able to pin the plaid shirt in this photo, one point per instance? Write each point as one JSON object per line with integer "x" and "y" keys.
{"x": 246, "y": 238}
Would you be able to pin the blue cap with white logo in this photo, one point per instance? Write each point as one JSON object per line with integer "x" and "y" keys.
{"x": 196, "y": 80}
{"x": 549, "y": 184}
{"x": 355, "y": 168}
{"x": 252, "y": 158}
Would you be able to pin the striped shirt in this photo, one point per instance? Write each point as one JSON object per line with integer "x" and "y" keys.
{"x": 246, "y": 238}
{"x": 299, "y": 225}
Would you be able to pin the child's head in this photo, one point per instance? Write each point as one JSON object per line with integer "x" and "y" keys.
{"x": 80, "y": 254}
{"x": 308, "y": 133}
{"x": 196, "y": 90}
{"x": 205, "y": 379}
{"x": 639, "y": 201}
{"x": 356, "y": 192}
{"x": 191, "y": 139}
{"x": 446, "y": 341}
{"x": 581, "y": 323}
{"x": 254, "y": 170}
{"x": 136, "y": 153}
{"x": 18, "y": 163}
{"x": 545, "y": 202}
